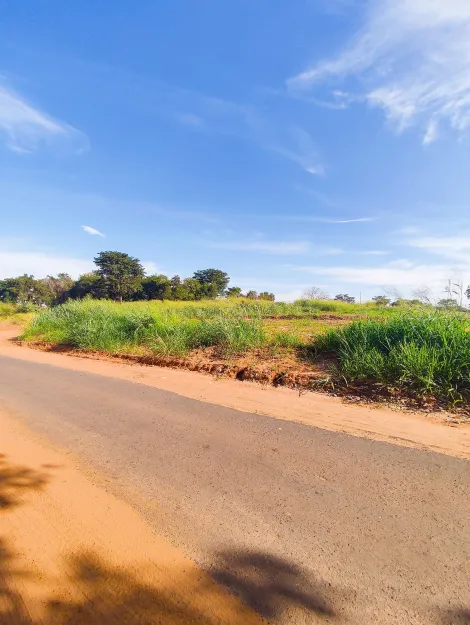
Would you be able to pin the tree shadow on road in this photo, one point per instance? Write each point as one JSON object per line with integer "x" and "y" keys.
{"x": 98, "y": 593}
{"x": 16, "y": 481}
{"x": 271, "y": 585}
{"x": 456, "y": 616}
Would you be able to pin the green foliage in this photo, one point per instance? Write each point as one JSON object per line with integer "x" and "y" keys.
{"x": 213, "y": 276}
{"x": 448, "y": 304}
{"x": 269, "y": 297}
{"x": 120, "y": 273}
{"x": 25, "y": 289}
{"x": 381, "y": 300}
{"x": 156, "y": 287}
{"x": 421, "y": 352}
{"x": 234, "y": 291}
{"x": 344, "y": 297}
{"x": 88, "y": 285}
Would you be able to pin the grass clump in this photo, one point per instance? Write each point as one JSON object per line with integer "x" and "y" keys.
{"x": 425, "y": 353}
{"x": 116, "y": 328}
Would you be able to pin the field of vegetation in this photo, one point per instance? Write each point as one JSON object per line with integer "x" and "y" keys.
{"x": 414, "y": 352}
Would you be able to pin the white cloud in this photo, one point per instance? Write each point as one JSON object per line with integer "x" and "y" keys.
{"x": 453, "y": 248}
{"x": 26, "y": 128}
{"x": 92, "y": 231}
{"x": 151, "y": 268}
{"x": 41, "y": 264}
{"x": 268, "y": 247}
{"x": 413, "y": 58}
{"x": 399, "y": 273}
{"x": 374, "y": 253}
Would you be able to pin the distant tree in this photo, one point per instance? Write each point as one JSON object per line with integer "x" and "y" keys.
{"x": 57, "y": 288}
{"x": 270, "y": 297}
{"x": 448, "y": 304}
{"x": 88, "y": 285}
{"x": 406, "y": 302}
{"x": 192, "y": 289}
{"x": 213, "y": 276}
{"x": 24, "y": 289}
{"x": 156, "y": 287}
{"x": 252, "y": 295}
{"x": 381, "y": 300}
{"x": 178, "y": 292}
{"x": 344, "y": 297}
{"x": 315, "y": 292}
{"x": 121, "y": 274}
{"x": 234, "y": 291}
{"x": 9, "y": 290}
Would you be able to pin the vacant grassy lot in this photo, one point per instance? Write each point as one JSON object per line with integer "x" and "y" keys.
{"x": 311, "y": 344}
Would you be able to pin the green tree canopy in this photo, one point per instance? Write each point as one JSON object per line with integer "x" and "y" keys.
{"x": 213, "y": 276}
{"x": 267, "y": 296}
{"x": 381, "y": 300}
{"x": 156, "y": 287}
{"x": 344, "y": 297}
{"x": 120, "y": 273}
{"x": 88, "y": 284}
{"x": 234, "y": 291}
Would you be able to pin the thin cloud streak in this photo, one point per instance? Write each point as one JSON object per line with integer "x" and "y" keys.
{"x": 325, "y": 220}
{"x": 92, "y": 231}
{"x": 26, "y": 129}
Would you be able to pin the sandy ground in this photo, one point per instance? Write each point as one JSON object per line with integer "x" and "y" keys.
{"x": 315, "y": 409}
{"x": 71, "y": 553}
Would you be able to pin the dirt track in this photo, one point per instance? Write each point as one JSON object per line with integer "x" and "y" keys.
{"x": 303, "y": 524}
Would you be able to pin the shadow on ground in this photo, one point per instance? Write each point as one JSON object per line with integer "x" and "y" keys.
{"x": 100, "y": 594}
{"x": 17, "y": 481}
{"x": 269, "y": 584}
{"x": 103, "y": 594}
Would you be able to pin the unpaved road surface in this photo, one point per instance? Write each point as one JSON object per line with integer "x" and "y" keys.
{"x": 304, "y": 525}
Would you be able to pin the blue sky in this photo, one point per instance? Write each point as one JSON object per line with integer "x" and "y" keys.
{"x": 288, "y": 142}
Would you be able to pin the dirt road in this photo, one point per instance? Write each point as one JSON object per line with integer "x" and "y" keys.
{"x": 304, "y": 525}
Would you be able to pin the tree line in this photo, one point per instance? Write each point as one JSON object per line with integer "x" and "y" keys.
{"x": 121, "y": 277}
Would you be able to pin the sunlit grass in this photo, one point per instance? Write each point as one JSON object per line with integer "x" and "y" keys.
{"x": 426, "y": 352}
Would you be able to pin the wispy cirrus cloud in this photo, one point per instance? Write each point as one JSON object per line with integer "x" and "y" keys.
{"x": 92, "y": 231}
{"x": 453, "y": 248}
{"x": 412, "y": 58}
{"x": 244, "y": 121}
{"x": 325, "y": 220}
{"x": 25, "y": 128}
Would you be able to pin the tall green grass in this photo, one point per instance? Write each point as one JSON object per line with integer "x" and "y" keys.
{"x": 117, "y": 328}
{"x": 423, "y": 353}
